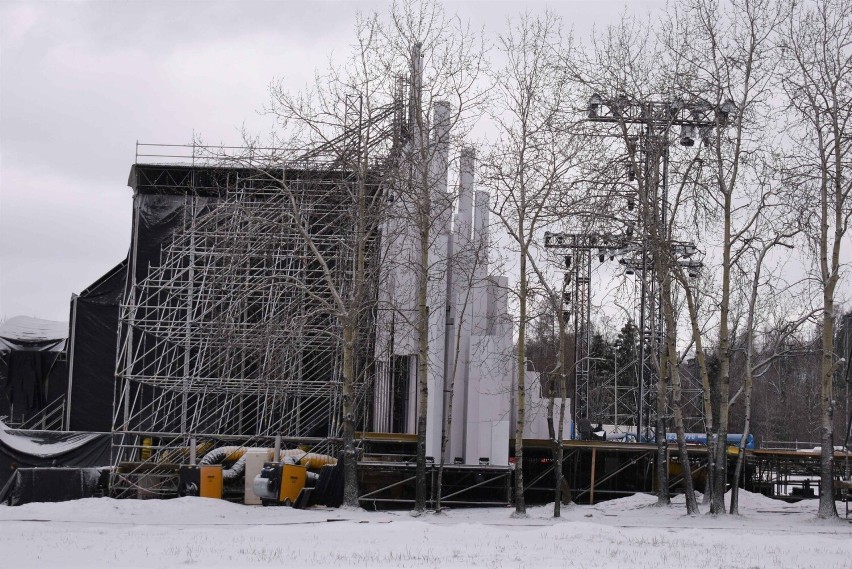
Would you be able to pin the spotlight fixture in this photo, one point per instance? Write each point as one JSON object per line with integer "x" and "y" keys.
{"x": 595, "y": 102}
{"x": 687, "y": 135}
{"x": 692, "y": 266}
{"x": 726, "y": 110}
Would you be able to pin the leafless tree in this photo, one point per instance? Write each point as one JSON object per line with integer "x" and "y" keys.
{"x": 760, "y": 332}
{"x": 526, "y": 169}
{"x": 723, "y": 58}
{"x": 446, "y": 58}
{"x": 372, "y": 115}
{"x": 817, "y": 80}
{"x": 345, "y": 117}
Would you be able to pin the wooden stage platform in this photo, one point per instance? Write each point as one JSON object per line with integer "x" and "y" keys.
{"x": 592, "y": 471}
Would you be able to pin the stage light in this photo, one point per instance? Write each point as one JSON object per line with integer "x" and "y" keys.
{"x": 687, "y": 135}
{"x": 595, "y": 102}
{"x": 727, "y": 109}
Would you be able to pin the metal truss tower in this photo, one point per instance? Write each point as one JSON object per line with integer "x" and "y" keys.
{"x": 645, "y": 127}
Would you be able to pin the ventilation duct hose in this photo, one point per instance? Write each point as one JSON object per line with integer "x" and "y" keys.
{"x": 237, "y": 455}
{"x": 221, "y": 455}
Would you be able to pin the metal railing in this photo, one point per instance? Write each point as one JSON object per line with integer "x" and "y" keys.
{"x": 788, "y": 445}
{"x": 50, "y": 418}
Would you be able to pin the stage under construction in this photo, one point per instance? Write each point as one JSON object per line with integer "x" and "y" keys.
{"x": 246, "y": 262}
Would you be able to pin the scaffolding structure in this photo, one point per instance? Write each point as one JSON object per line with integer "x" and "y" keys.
{"x": 232, "y": 325}
{"x": 230, "y": 335}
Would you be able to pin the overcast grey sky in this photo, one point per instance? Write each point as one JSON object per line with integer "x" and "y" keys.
{"x": 81, "y": 82}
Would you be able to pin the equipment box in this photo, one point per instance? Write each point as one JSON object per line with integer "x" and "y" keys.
{"x": 204, "y": 481}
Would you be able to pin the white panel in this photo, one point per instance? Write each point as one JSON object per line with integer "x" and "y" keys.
{"x": 535, "y": 424}
{"x": 412, "y": 394}
{"x": 254, "y": 464}
{"x": 500, "y": 442}
{"x": 463, "y": 264}
{"x": 471, "y": 450}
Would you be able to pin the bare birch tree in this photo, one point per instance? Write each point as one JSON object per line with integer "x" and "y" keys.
{"x": 346, "y": 117}
{"x": 761, "y": 291}
{"x": 725, "y": 60}
{"x": 817, "y": 80}
{"x": 445, "y": 57}
{"x": 527, "y": 168}
{"x": 373, "y": 115}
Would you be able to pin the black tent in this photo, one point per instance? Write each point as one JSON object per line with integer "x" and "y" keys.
{"x": 92, "y": 351}
{"x": 33, "y": 371}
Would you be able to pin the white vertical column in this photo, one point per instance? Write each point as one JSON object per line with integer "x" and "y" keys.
{"x": 439, "y": 232}
{"x": 463, "y": 265}
{"x": 497, "y": 390}
{"x": 479, "y": 341}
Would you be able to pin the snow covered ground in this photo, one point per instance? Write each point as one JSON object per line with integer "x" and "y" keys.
{"x": 628, "y": 532}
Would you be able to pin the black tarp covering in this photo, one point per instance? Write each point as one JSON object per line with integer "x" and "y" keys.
{"x": 53, "y": 485}
{"x": 159, "y": 206}
{"x": 20, "y": 449}
{"x": 328, "y": 490}
{"x": 92, "y": 351}
{"x": 33, "y": 370}
{"x": 156, "y": 217}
